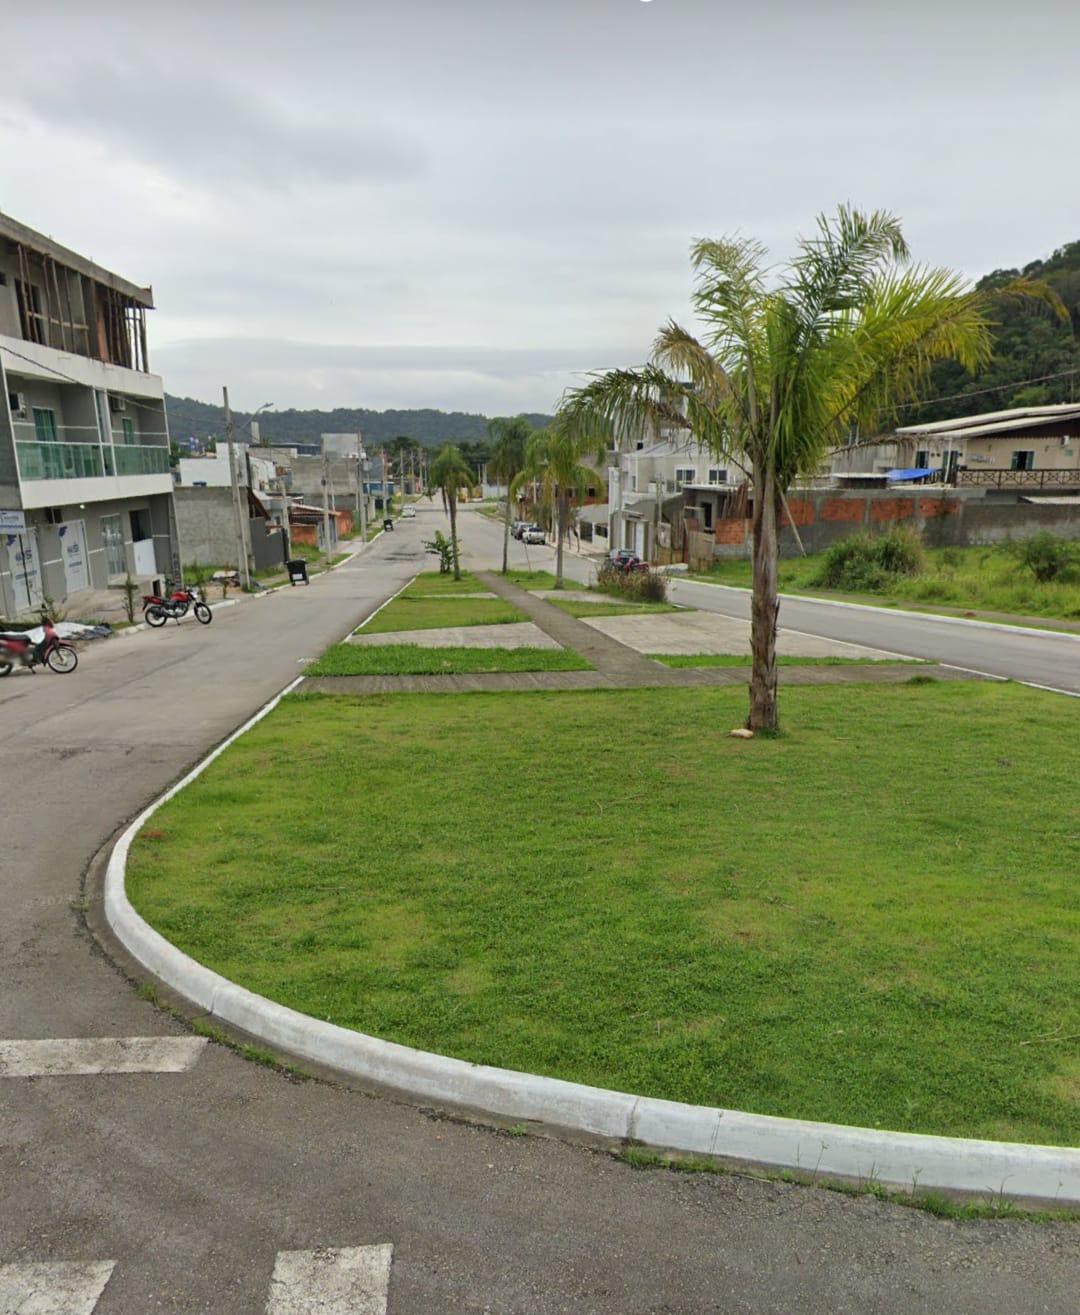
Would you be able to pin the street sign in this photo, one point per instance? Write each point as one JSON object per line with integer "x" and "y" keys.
{"x": 14, "y": 522}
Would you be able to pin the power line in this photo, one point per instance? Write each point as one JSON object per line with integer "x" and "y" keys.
{"x": 998, "y": 388}
{"x": 40, "y": 365}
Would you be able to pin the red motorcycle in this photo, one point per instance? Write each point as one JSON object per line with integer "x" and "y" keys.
{"x": 158, "y": 610}
{"x": 18, "y": 649}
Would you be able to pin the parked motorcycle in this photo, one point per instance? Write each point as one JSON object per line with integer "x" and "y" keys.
{"x": 158, "y": 610}
{"x": 18, "y": 649}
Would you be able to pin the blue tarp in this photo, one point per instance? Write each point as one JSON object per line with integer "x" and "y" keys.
{"x": 918, "y": 472}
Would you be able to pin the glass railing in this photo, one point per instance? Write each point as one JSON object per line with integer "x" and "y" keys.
{"x": 133, "y": 460}
{"x": 84, "y": 460}
{"x": 59, "y": 460}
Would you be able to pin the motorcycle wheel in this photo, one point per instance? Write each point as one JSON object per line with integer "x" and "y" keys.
{"x": 6, "y": 668}
{"x": 62, "y": 659}
{"x": 203, "y": 614}
{"x": 154, "y": 616}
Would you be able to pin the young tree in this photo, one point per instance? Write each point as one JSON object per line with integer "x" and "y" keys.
{"x": 554, "y": 458}
{"x": 450, "y": 473}
{"x": 509, "y": 437}
{"x": 788, "y": 361}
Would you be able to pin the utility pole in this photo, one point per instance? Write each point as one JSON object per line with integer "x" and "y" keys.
{"x": 326, "y": 503}
{"x": 361, "y": 493}
{"x": 242, "y": 557}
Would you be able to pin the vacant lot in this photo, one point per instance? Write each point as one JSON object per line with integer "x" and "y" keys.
{"x": 988, "y": 579}
{"x": 873, "y": 919}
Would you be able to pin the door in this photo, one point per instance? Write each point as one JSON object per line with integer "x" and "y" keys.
{"x": 115, "y": 558}
{"x": 142, "y": 543}
{"x": 26, "y": 570}
{"x": 73, "y": 549}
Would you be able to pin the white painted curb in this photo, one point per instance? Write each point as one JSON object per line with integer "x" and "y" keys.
{"x": 1050, "y": 1174}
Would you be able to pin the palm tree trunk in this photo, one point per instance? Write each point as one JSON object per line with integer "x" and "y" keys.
{"x": 451, "y": 499}
{"x": 506, "y": 535}
{"x": 560, "y": 523}
{"x": 765, "y": 606}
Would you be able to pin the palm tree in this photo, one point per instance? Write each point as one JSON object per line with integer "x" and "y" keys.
{"x": 509, "y": 436}
{"x": 554, "y": 460}
{"x": 450, "y": 473}
{"x": 788, "y": 361}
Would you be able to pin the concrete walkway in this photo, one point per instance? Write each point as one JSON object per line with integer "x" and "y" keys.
{"x": 617, "y": 666}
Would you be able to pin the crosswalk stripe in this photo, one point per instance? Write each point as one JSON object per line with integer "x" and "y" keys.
{"x": 55, "y": 1287}
{"x": 331, "y": 1280}
{"x": 63, "y": 1057}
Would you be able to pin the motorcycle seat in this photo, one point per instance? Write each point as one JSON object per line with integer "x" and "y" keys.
{"x": 20, "y": 635}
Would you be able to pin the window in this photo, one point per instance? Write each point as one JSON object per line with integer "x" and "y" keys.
{"x": 685, "y": 476}
{"x": 633, "y": 483}
{"x": 54, "y": 515}
{"x": 1022, "y": 460}
{"x": 717, "y": 475}
{"x": 129, "y": 430}
{"x": 922, "y": 459}
{"x": 706, "y": 515}
{"x": 44, "y": 425}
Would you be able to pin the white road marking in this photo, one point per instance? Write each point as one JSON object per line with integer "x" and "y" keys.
{"x": 56, "y": 1287}
{"x": 332, "y": 1281}
{"x": 70, "y": 1056}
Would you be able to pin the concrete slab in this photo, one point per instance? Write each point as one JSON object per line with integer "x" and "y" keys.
{"x": 710, "y": 632}
{"x": 514, "y": 634}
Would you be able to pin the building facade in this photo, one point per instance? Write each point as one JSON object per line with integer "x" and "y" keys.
{"x": 85, "y": 488}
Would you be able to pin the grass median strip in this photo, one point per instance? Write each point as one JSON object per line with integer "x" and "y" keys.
{"x": 871, "y": 919}
{"x": 583, "y": 608}
{"x": 437, "y": 613}
{"x": 414, "y": 660}
{"x": 431, "y": 584}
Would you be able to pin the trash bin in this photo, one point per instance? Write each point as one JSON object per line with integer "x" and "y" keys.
{"x": 298, "y": 571}
{"x": 388, "y": 523}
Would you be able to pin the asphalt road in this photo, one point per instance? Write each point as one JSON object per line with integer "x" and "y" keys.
{"x": 1048, "y": 659}
{"x": 193, "y": 1181}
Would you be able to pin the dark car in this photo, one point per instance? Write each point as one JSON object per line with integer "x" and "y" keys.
{"x": 622, "y": 559}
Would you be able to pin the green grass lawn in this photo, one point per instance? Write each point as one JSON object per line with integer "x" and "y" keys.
{"x": 872, "y": 919}
{"x": 980, "y": 579}
{"x": 536, "y": 579}
{"x": 435, "y": 612}
{"x": 744, "y": 660}
{"x": 414, "y": 660}
{"x": 433, "y": 583}
{"x": 610, "y": 607}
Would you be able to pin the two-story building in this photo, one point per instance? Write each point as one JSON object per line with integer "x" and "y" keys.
{"x": 85, "y": 489}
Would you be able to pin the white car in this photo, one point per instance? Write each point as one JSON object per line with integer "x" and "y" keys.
{"x": 408, "y": 513}
{"x": 533, "y": 534}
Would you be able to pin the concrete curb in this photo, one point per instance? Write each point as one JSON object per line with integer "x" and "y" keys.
{"x": 1048, "y": 1175}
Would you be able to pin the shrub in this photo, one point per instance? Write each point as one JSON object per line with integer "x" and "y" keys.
{"x": 1046, "y": 555}
{"x": 639, "y": 586}
{"x": 869, "y": 562}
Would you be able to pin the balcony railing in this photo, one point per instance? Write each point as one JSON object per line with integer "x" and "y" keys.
{"x": 84, "y": 460}
{"x": 59, "y": 460}
{"x": 134, "y": 460}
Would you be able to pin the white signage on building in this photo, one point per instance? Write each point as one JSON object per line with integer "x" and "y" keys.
{"x": 73, "y": 547}
{"x": 12, "y": 522}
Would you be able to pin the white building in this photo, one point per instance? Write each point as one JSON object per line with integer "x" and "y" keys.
{"x": 85, "y": 487}
{"x": 654, "y": 479}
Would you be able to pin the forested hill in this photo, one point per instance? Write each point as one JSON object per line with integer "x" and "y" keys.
{"x": 189, "y": 418}
{"x": 1028, "y": 345}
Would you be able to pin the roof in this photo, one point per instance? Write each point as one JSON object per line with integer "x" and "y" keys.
{"x": 642, "y": 507}
{"x": 996, "y": 422}
{"x": 28, "y": 237}
{"x": 597, "y": 513}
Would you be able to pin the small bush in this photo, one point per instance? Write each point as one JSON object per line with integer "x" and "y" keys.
{"x": 1046, "y": 555}
{"x": 638, "y": 586}
{"x": 868, "y": 562}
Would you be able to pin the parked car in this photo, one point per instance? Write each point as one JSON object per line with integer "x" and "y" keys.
{"x": 408, "y": 513}
{"x": 622, "y": 559}
{"x": 533, "y": 534}
{"x": 518, "y": 528}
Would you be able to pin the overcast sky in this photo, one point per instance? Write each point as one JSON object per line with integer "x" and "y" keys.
{"x": 465, "y": 205}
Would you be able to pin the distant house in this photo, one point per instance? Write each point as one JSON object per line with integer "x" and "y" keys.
{"x": 1023, "y": 447}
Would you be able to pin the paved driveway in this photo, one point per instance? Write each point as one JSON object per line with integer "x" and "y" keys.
{"x": 168, "y": 1177}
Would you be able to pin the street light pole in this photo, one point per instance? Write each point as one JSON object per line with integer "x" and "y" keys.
{"x": 242, "y": 557}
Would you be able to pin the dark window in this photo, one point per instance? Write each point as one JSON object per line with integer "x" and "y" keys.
{"x": 706, "y": 515}
{"x": 140, "y": 527}
{"x": 54, "y": 515}
{"x": 1022, "y": 460}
